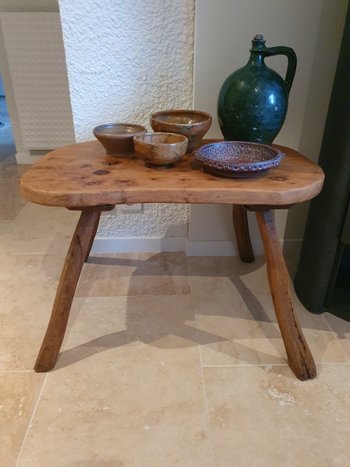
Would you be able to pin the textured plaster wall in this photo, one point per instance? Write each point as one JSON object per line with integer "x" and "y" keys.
{"x": 126, "y": 59}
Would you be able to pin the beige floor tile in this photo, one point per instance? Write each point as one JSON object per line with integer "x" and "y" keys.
{"x": 101, "y": 324}
{"x": 209, "y": 266}
{"x": 9, "y": 169}
{"x": 18, "y": 395}
{"x": 39, "y": 230}
{"x": 265, "y": 417}
{"x": 341, "y": 328}
{"x": 27, "y": 288}
{"x": 325, "y": 345}
{"x": 238, "y": 310}
{"x": 141, "y": 274}
{"x": 4, "y": 224}
{"x": 10, "y": 201}
{"x": 233, "y": 326}
{"x": 127, "y": 391}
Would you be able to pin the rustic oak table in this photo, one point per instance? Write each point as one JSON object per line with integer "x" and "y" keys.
{"x": 82, "y": 177}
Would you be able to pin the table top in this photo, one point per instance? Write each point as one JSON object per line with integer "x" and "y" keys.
{"x": 82, "y": 175}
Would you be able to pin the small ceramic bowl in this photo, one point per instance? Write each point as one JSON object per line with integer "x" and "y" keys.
{"x": 191, "y": 123}
{"x": 117, "y": 138}
{"x": 160, "y": 149}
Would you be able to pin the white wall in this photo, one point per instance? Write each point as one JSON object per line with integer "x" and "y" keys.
{"x": 28, "y": 5}
{"x": 224, "y": 30}
{"x": 126, "y": 60}
{"x": 14, "y": 6}
{"x": 39, "y": 84}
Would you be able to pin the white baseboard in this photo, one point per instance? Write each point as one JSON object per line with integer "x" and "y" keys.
{"x": 219, "y": 248}
{"x": 163, "y": 244}
{"x": 139, "y": 245}
{"x": 210, "y": 248}
{"x": 291, "y": 248}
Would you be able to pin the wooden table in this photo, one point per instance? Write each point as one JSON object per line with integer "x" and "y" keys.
{"x": 82, "y": 177}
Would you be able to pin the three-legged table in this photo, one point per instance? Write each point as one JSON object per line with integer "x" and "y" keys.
{"x": 82, "y": 177}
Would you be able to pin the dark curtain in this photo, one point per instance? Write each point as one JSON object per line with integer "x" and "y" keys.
{"x": 322, "y": 245}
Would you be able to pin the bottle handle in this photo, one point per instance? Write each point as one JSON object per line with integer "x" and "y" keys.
{"x": 292, "y": 61}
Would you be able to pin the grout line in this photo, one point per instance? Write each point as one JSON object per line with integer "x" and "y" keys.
{"x": 31, "y": 420}
{"x": 206, "y": 406}
{"x": 245, "y": 365}
{"x": 15, "y": 371}
{"x": 333, "y": 364}
{"x": 262, "y": 365}
{"x": 204, "y": 391}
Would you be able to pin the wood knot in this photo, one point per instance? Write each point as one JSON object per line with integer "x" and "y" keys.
{"x": 101, "y": 172}
{"x": 279, "y": 179}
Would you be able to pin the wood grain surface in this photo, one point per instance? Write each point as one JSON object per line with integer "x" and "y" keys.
{"x": 77, "y": 253}
{"x": 241, "y": 227}
{"x": 83, "y": 175}
{"x": 299, "y": 356}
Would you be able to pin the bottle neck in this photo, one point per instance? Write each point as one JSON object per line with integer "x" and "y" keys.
{"x": 256, "y": 58}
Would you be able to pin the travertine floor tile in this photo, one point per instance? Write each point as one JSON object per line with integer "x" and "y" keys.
{"x": 10, "y": 170}
{"x": 39, "y": 230}
{"x": 141, "y": 274}
{"x": 27, "y": 289}
{"x": 105, "y": 324}
{"x": 341, "y": 328}
{"x": 238, "y": 310}
{"x": 322, "y": 341}
{"x": 233, "y": 327}
{"x": 208, "y": 266}
{"x": 18, "y": 395}
{"x": 131, "y": 397}
{"x": 265, "y": 417}
{"x": 10, "y": 201}
{"x": 325, "y": 346}
{"x": 4, "y": 224}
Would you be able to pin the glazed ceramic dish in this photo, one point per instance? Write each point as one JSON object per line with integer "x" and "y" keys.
{"x": 117, "y": 138}
{"x": 191, "y": 123}
{"x": 238, "y": 158}
{"x": 160, "y": 149}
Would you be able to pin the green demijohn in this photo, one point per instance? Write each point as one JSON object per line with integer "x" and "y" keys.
{"x": 253, "y": 101}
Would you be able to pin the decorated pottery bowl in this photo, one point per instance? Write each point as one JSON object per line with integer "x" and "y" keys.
{"x": 160, "y": 149}
{"x": 191, "y": 123}
{"x": 238, "y": 158}
{"x": 117, "y": 138}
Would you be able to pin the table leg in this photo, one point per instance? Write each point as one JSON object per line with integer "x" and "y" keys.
{"x": 299, "y": 356}
{"x": 77, "y": 253}
{"x": 94, "y": 228}
{"x": 241, "y": 227}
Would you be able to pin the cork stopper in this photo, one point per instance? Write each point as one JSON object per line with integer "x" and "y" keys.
{"x": 258, "y": 42}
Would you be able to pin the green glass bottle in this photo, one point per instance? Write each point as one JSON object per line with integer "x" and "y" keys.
{"x": 253, "y": 101}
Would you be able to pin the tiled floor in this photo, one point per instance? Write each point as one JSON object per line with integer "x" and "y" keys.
{"x": 168, "y": 360}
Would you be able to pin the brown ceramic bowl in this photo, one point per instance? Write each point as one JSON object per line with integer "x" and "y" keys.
{"x": 117, "y": 138}
{"x": 160, "y": 149}
{"x": 191, "y": 123}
